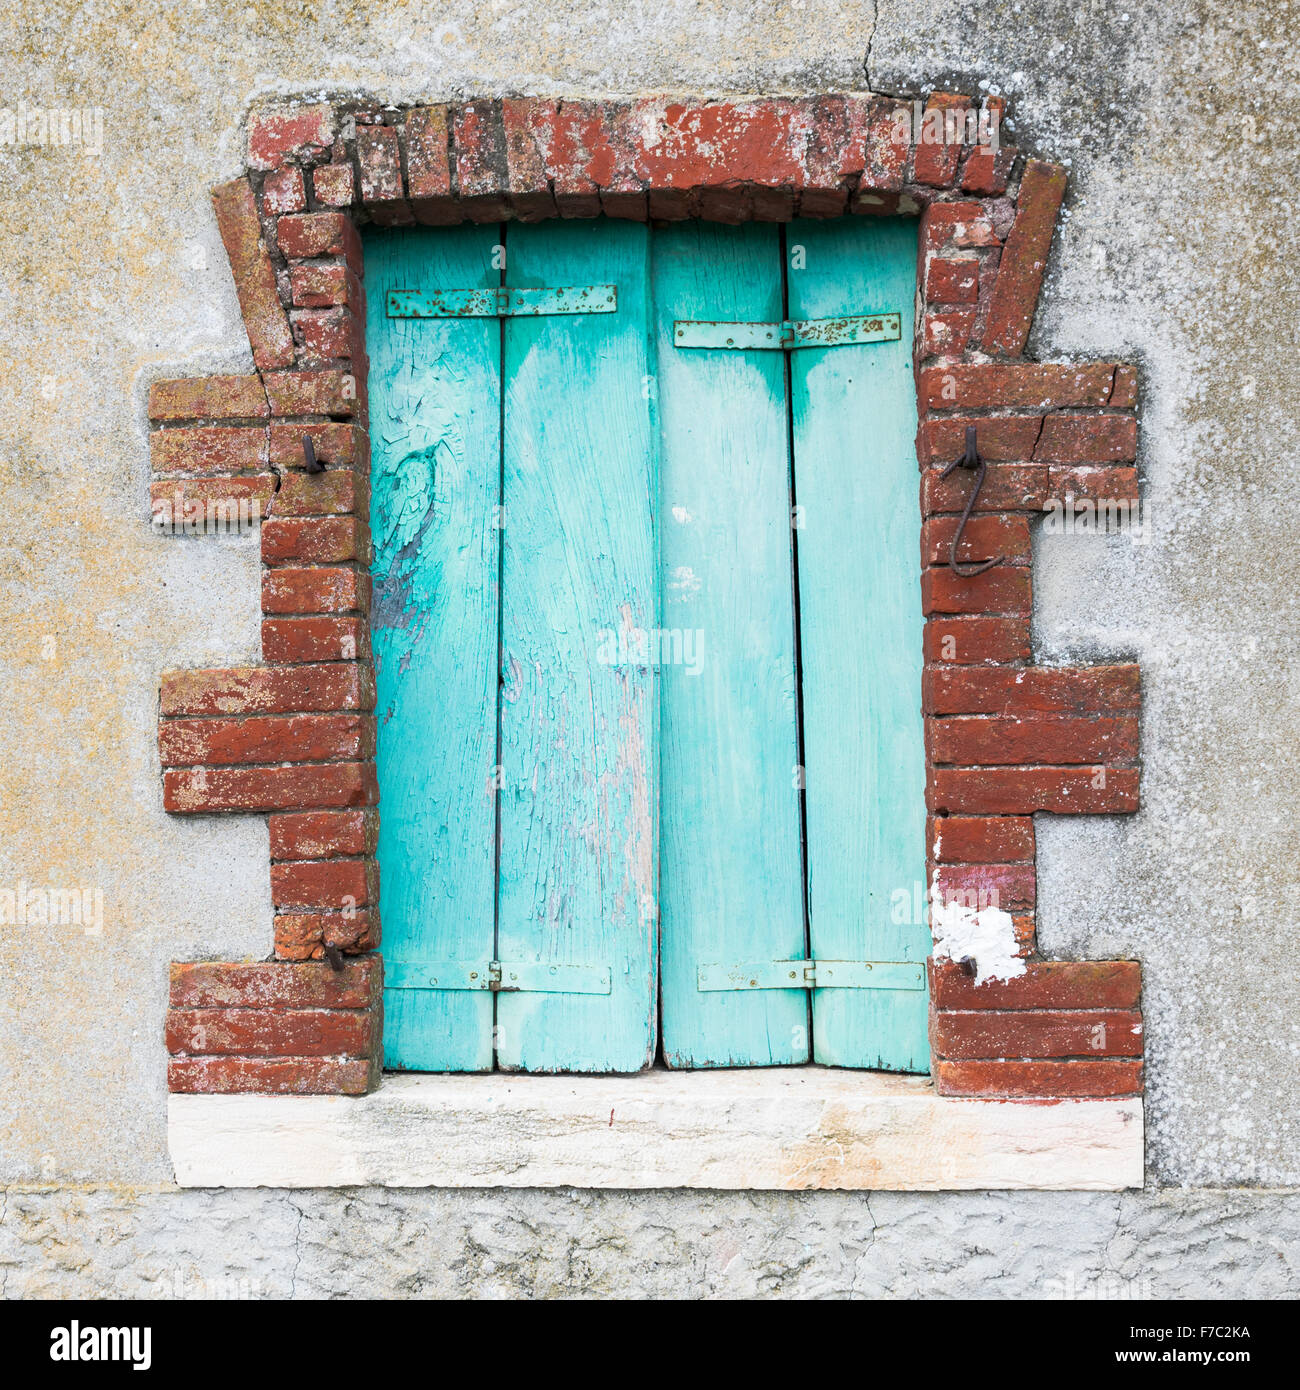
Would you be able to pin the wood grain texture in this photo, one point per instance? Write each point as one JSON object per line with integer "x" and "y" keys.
{"x": 730, "y": 866}
{"x": 578, "y": 872}
{"x": 855, "y": 469}
{"x": 435, "y": 409}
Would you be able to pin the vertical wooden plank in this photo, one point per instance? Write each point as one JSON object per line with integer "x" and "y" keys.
{"x": 578, "y": 876}
{"x": 854, "y": 412}
{"x": 730, "y": 864}
{"x": 435, "y": 433}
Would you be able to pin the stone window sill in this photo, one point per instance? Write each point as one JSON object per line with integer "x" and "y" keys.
{"x": 772, "y": 1129}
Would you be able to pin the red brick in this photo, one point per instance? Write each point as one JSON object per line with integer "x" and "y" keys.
{"x": 952, "y": 279}
{"x": 311, "y": 393}
{"x": 946, "y": 333}
{"x": 955, "y": 224}
{"x": 987, "y": 1033}
{"x": 1024, "y": 258}
{"x": 1066, "y": 791}
{"x": 528, "y": 126}
{"x": 335, "y": 492}
{"x": 324, "y": 883}
{"x": 428, "y": 167}
{"x": 315, "y": 639}
{"x": 478, "y": 139}
{"x": 265, "y": 985}
{"x": 272, "y": 1032}
{"x": 723, "y": 144}
{"x": 283, "y": 191}
{"x": 254, "y": 276}
{"x": 333, "y": 185}
{"x": 301, "y": 787}
{"x": 1028, "y": 385}
{"x": 288, "y": 132}
{"x": 304, "y": 935}
{"x": 266, "y": 739}
{"x": 1053, "y": 984}
{"x": 268, "y": 690}
{"x": 209, "y": 449}
{"x": 1126, "y": 386}
{"x": 987, "y": 170}
{"x": 888, "y": 145}
{"x": 970, "y": 640}
{"x": 1006, "y": 486}
{"x": 311, "y": 234}
{"x": 980, "y": 839}
{"x": 1020, "y": 1080}
{"x": 999, "y": 438}
{"x": 1088, "y": 439}
{"x": 986, "y": 537}
{"x": 326, "y": 335}
{"x": 210, "y": 505}
{"x": 314, "y": 540}
{"x": 1002, "y": 589}
{"x": 318, "y": 285}
{"x": 306, "y": 1076}
{"x": 333, "y": 443}
{"x": 1047, "y": 689}
{"x": 321, "y": 834}
{"x": 998, "y": 739}
{"x": 329, "y": 589}
{"x": 935, "y": 160}
{"x": 380, "y": 160}
{"x": 1089, "y": 482}
{"x": 1011, "y": 887}
{"x": 208, "y": 398}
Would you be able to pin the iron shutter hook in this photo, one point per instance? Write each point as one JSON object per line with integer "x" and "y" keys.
{"x": 969, "y": 459}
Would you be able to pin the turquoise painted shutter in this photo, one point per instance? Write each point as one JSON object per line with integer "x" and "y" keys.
{"x": 854, "y": 413}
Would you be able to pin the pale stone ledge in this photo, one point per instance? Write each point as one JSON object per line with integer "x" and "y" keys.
{"x": 806, "y": 1127}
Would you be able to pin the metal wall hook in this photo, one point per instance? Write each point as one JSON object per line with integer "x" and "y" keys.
{"x": 310, "y": 461}
{"x": 969, "y": 459}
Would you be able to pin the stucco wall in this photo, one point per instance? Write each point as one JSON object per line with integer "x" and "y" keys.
{"x": 1179, "y": 249}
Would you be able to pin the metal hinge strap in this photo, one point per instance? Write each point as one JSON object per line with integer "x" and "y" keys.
{"x": 502, "y": 302}
{"x": 503, "y": 977}
{"x": 813, "y": 974}
{"x": 789, "y": 333}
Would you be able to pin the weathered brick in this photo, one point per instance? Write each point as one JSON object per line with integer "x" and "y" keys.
{"x": 947, "y": 333}
{"x": 989, "y": 1033}
{"x": 334, "y": 185}
{"x": 320, "y": 589}
{"x": 1024, "y": 259}
{"x": 324, "y": 883}
{"x": 482, "y": 179}
{"x": 278, "y": 134}
{"x": 210, "y": 506}
{"x": 965, "y": 640}
{"x": 999, "y": 438}
{"x": 980, "y": 839}
{"x": 1007, "y": 486}
{"x": 209, "y": 449}
{"x": 1067, "y": 791}
{"x": 314, "y": 1076}
{"x": 268, "y": 690}
{"x": 1124, "y": 394}
{"x": 314, "y": 540}
{"x": 945, "y": 225}
{"x": 345, "y": 638}
{"x": 722, "y": 144}
{"x": 1002, "y": 589}
{"x": 272, "y": 1032}
{"x": 1028, "y": 385}
{"x": 380, "y": 160}
{"x": 1016, "y": 1080}
{"x": 312, "y": 393}
{"x": 998, "y": 739}
{"x": 304, "y": 935}
{"x": 428, "y": 168}
{"x": 209, "y": 398}
{"x": 265, "y": 985}
{"x": 941, "y": 137}
{"x": 300, "y": 787}
{"x": 320, "y": 284}
{"x": 1055, "y": 984}
{"x": 322, "y": 834}
{"x": 254, "y": 276}
{"x": 1087, "y": 439}
{"x": 888, "y": 145}
{"x": 219, "y": 742}
{"x": 335, "y": 492}
{"x": 1090, "y": 482}
{"x": 283, "y": 191}
{"x": 326, "y": 335}
{"x": 341, "y": 443}
{"x": 309, "y": 234}
{"x": 985, "y": 537}
{"x": 988, "y": 170}
{"x": 952, "y": 279}
{"x": 1046, "y": 689}
{"x": 1010, "y": 887}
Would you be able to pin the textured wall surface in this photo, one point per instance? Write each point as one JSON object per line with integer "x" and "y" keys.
{"x": 1180, "y": 248}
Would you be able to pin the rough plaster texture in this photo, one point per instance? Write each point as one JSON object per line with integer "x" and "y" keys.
{"x": 1180, "y": 248}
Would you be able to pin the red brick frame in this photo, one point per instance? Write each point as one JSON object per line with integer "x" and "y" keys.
{"x": 295, "y": 737}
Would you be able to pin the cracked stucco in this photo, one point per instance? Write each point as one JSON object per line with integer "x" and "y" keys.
{"x": 1179, "y": 249}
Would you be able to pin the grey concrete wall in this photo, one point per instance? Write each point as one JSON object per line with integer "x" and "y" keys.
{"x": 1179, "y": 248}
